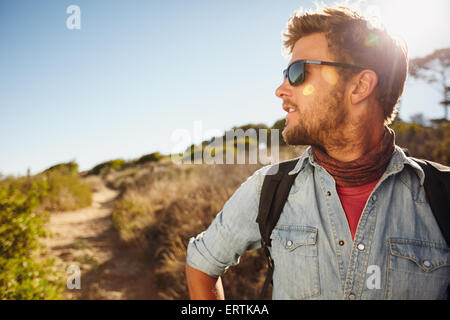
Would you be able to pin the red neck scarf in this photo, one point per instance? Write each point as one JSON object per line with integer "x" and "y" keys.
{"x": 364, "y": 170}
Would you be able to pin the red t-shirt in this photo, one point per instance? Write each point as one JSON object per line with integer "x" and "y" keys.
{"x": 353, "y": 200}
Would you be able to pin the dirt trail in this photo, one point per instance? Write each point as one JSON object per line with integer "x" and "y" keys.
{"x": 109, "y": 268}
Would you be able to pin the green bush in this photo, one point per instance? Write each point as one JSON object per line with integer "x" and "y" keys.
{"x": 108, "y": 166}
{"x": 69, "y": 168}
{"x": 152, "y": 157}
{"x": 21, "y": 276}
{"x": 66, "y": 190}
{"x": 431, "y": 143}
{"x": 125, "y": 213}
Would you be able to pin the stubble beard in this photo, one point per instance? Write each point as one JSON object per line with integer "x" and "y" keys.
{"x": 320, "y": 130}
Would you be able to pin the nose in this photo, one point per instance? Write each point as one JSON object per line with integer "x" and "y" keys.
{"x": 284, "y": 90}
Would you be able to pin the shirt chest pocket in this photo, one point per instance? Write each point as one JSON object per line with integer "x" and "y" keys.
{"x": 417, "y": 270}
{"x": 296, "y": 265}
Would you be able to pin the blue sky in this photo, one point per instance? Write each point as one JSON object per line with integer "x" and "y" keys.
{"x": 137, "y": 71}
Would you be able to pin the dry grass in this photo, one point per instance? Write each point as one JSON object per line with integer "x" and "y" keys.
{"x": 163, "y": 205}
{"x": 95, "y": 182}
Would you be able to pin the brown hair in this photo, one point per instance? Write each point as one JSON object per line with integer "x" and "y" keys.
{"x": 352, "y": 39}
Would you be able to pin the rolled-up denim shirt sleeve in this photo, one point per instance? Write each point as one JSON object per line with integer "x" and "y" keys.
{"x": 233, "y": 231}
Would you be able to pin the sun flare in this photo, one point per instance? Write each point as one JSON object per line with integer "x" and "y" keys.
{"x": 419, "y": 23}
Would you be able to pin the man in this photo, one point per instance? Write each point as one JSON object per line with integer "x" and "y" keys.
{"x": 356, "y": 224}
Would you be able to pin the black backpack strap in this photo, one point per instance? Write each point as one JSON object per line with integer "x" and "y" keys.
{"x": 274, "y": 194}
{"x": 437, "y": 189}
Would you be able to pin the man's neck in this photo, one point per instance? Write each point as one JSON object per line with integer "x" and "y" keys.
{"x": 358, "y": 143}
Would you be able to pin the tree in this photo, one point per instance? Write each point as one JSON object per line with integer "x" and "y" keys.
{"x": 152, "y": 157}
{"x": 434, "y": 69}
{"x": 418, "y": 118}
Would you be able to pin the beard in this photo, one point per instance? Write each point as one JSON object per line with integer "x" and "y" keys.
{"x": 320, "y": 124}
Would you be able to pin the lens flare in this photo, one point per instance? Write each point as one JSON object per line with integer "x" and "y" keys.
{"x": 371, "y": 40}
{"x": 423, "y": 25}
{"x": 308, "y": 90}
{"x": 330, "y": 75}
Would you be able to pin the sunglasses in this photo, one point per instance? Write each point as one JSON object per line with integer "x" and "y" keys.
{"x": 296, "y": 70}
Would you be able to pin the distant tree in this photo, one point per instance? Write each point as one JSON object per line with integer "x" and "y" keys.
{"x": 67, "y": 167}
{"x": 434, "y": 69}
{"x": 152, "y": 157}
{"x": 108, "y": 166}
{"x": 437, "y": 122}
{"x": 418, "y": 118}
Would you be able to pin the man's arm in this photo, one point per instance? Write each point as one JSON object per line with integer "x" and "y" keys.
{"x": 233, "y": 231}
{"x": 202, "y": 286}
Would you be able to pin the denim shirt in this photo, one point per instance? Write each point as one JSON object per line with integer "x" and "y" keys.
{"x": 398, "y": 252}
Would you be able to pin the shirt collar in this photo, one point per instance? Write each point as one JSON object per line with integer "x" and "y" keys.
{"x": 302, "y": 161}
{"x": 397, "y": 163}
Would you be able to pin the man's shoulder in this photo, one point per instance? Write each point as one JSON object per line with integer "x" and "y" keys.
{"x": 257, "y": 178}
{"x": 418, "y": 173}
{"x": 272, "y": 170}
{"x": 285, "y": 166}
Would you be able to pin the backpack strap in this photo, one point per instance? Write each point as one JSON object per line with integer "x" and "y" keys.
{"x": 437, "y": 189}
{"x": 274, "y": 194}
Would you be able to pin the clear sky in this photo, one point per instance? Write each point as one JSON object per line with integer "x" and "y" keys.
{"x": 136, "y": 71}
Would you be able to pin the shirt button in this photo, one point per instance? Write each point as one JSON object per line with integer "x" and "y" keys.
{"x": 427, "y": 264}
{"x": 351, "y": 296}
{"x": 289, "y": 243}
{"x": 328, "y": 193}
{"x": 341, "y": 243}
{"x": 361, "y": 247}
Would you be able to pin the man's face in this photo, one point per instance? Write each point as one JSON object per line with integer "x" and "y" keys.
{"x": 317, "y": 105}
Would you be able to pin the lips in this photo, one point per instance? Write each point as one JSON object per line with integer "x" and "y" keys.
{"x": 289, "y": 108}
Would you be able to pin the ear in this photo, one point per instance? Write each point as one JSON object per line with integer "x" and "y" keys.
{"x": 364, "y": 85}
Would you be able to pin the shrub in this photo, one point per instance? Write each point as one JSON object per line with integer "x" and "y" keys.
{"x": 21, "y": 277}
{"x": 125, "y": 217}
{"x": 431, "y": 143}
{"x": 152, "y": 157}
{"x": 108, "y": 166}
{"x": 66, "y": 190}
{"x": 69, "y": 168}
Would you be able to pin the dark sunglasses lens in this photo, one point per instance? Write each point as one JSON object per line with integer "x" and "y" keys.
{"x": 296, "y": 73}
